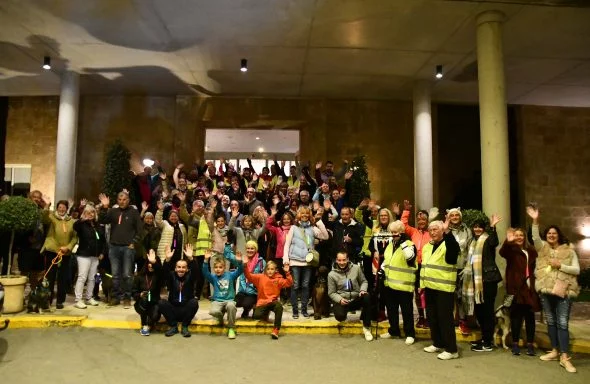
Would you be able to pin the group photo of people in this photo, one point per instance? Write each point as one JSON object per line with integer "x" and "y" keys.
{"x": 257, "y": 243}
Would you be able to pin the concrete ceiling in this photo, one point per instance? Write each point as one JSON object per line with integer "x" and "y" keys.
{"x": 252, "y": 141}
{"x": 371, "y": 49}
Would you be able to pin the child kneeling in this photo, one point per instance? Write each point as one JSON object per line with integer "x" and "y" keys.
{"x": 224, "y": 291}
{"x": 269, "y": 285}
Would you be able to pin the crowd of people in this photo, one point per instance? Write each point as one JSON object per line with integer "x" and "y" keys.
{"x": 255, "y": 239}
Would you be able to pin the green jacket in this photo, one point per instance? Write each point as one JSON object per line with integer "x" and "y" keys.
{"x": 60, "y": 233}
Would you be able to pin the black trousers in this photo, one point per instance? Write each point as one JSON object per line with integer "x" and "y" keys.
{"x": 363, "y": 303}
{"x": 148, "y": 312}
{"x": 263, "y": 311}
{"x": 439, "y": 310}
{"x": 485, "y": 312}
{"x": 245, "y": 301}
{"x": 200, "y": 281}
{"x": 179, "y": 313}
{"x": 394, "y": 300}
{"x": 60, "y": 273}
{"x": 518, "y": 314}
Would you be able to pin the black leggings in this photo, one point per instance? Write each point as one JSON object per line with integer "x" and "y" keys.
{"x": 245, "y": 301}
{"x": 264, "y": 310}
{"x": 148, "y": 312}
{"x": 518, "y": 313}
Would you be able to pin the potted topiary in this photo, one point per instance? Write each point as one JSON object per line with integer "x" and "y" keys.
{"x": 17, "y": 214}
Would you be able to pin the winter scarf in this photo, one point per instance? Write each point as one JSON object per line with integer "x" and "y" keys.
{"x": 472, "y": 289}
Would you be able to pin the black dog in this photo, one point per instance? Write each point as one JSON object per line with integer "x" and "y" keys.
{"x": 39, "y": 298}
{"x": 107, "y": 286}
{"x": 319, "y": 295}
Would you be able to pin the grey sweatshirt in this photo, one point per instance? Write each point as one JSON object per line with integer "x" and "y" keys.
{"x": 338, "y": 288}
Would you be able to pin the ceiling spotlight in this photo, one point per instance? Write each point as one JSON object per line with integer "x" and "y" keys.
{"x": 148, "y": 162}
{"x": 257, "y": 138}
{"x": 244, "y": 65}
{"x": 439, "y": 72}
{"x": 260, "y": 149}
{"x": 46, "y": 62}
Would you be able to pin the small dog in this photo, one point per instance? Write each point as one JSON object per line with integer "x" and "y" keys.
{"x": 39, "y": 298}
{"x": 319, "y": 295}
{"x": 502, "y": 323}
{"x": 107, "y": 286}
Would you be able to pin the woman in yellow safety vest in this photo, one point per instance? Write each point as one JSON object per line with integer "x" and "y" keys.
{"x": 399, "y": 270}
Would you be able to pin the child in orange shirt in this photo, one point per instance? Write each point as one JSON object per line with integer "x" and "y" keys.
{"x": 269, "y": 285}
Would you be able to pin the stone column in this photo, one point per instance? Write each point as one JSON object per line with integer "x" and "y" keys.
{"x": 67, "y": 134}
{"x": 493, "y": 117}
{"x": 423, "y": 176}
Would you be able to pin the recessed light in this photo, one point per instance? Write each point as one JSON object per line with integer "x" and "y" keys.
{"x": 260, "y": 149}
{"x": 257, "y": 138}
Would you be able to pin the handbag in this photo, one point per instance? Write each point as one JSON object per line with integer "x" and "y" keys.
{"x": 313, "y": 257}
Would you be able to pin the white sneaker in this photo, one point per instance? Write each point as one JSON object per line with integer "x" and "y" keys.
{"x": 368, "y": 334}
{"x": 92, "y": 302}
{"x": 432, "y": 349}
{"x": 385, "y": 335}
{"x": 448, "y": 356}
{"x": 80, "y": 304}
{"x": 409, "y": 340}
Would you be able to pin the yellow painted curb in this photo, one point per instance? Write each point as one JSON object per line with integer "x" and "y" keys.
{"x": 42, "y": 321}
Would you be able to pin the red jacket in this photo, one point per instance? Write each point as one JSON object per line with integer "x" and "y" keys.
{"x": 419, "y": 238}
{"x": 280, "y": 234}
{"x": 516, "y": 271}
{"x": 269, "y": 288}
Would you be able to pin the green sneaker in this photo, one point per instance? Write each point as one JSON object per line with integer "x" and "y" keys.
{"x": 231, "y": 334}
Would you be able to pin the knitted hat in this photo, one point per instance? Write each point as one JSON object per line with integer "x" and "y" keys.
{"x": 455, "y": 210}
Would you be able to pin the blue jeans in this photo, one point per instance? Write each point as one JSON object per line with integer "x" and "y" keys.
{"x": 301, "y": 278}
{"x": 557, "y": 314}
{"x": 121, "y": 258}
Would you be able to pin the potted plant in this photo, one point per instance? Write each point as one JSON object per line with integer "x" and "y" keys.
{"x": 17, "y": 214}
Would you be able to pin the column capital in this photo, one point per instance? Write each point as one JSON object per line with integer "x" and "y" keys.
{"x": 491, "y": 17}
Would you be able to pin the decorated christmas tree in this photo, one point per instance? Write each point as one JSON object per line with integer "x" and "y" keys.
{"x": 360, "y": 183}
{"x": 116, "y": 170}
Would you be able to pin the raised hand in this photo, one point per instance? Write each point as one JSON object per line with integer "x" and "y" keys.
{"x": 151, "y": 256}
{"x": 235, "y": 212}
{"x": 162, "y": 175}
{"x": 273, "y": 210}
{"x": 239, "y": 256}
{"x": 533, "y": 212}
{"x": 188, "y": 250}
{"x": 395, "y": 208}
{"x": 510, "y": 235}
{"x": 286, "y": 268}
{"x": 283, "y": 164}
{"x": 348, "y": 175}
{"x": 125, "y": 191}
{"x": 168, "y": 253}
{"x": 160, "y": 205}
{"x": 495, "y": 219}
{"x": 213, "y": 203}
{"x": 70, "y": 202}
{"x": 208, "y": 254}
{"x": 407, "y": 205}
{"x": 316, "y": 205}
{"x": 364, "y": 203}
{"x": 446, "y": 223}
{"x": 318, "y": 165}
{"x": 180, "y": 166}
{"x": 181, "y": 196}
{"x": 104, "y": 200}
{"x": 144, "y": 206}
{"x": 327, "y": 204}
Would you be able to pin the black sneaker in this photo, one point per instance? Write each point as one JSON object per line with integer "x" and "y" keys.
{"x": 185, "y": 332}
{"x": 305, "y": 314}
{"x": 172, "y": 331}
{"x": 59, "y": 306}
{"x": 476, "y": 342}
{"x": 114, "y": 302}
{"x": 482, "y": 348}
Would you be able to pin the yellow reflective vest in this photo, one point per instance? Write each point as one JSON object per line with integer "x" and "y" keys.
{"x": 203, "y": 238}
{"x": 436, "y": 273}
{"x": 398, "y": 275}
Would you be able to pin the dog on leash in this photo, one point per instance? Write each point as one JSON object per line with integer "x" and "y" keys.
{"x": 39, "y": 298}
{"x": 502, "y": 324}
{"x": 319, "y": 295}
{"x": 107, "y": 285}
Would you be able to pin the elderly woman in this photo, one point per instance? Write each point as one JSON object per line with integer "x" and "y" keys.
{"x": 380, "y": 240}
{"x": 300, "y": 241}
{"x": 556, "y": 282}
{"x": 173, "y": 234}
{"x": 521, "y": 261}
{"x": 91, "y": 249}
{"x": 399, "y": 267}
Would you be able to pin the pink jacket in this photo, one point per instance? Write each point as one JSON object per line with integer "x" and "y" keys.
{"x": 280, "y": 234}
{"x": 419, "y": 238}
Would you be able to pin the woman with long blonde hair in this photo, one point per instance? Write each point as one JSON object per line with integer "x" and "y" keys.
{"x": 300, "y": 241}
{"x": 91, "y": 249}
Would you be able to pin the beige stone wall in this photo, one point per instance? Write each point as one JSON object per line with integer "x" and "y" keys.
{"x": 31, "y": 137}
{"x": 554, "y": 143}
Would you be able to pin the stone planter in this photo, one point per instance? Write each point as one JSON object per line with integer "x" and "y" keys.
{"x": 14, "y": 292}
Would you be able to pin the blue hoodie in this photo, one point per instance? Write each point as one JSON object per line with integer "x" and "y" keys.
{"x": 224, "y": 286}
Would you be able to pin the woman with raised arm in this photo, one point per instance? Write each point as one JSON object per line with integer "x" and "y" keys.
{"x": 521, "y": 261}
{"x": 557, "y": 285}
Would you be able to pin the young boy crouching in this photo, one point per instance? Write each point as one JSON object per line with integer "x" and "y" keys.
{"x": 224, "y": 291}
